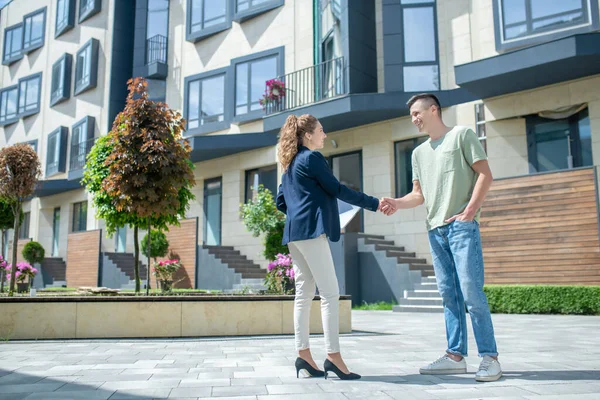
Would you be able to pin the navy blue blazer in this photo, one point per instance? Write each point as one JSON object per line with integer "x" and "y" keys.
{"x": 308, "y": 196}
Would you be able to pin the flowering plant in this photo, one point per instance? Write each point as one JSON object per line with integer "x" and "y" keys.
{"x": 164, "y": 270}
{"x": 280, "y": 275}
{"x": 274, "y": 91}
{"x": 24, "y": 271}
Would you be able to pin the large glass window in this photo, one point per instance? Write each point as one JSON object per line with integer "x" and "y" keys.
{"x": 421, "y": 71}
{"x": 13, "y": 44}
{"x": 266, "y": 176}
{"x": 250, "y": 78}
{"x": 63, "y": 16}
{"x": 559, "y": 143}
{"x": 79, "y": 217}
{"x": 207, "y": 13}
{"x": 403, "y": 153}
{"x": 29, "y": 95}
{"x": 9, "y": 98}
{"x": 60, "y": 87}
{"x": 24, "y": 228}
{"x": 82, "y": 140}
{"x": 86, "y": 67}
{"x": 242, "y": 5}
{"x": 522, "y": 21}
{"x": 88, "y": 8}
{"x": 157, "y": 31}
{"x": 206, "y": 101}
{"x": 56, "y": 151}
{"x": 34, "y": 28}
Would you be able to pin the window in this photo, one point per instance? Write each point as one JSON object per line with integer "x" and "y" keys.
{"x": 9, "y": 97}
{"x": 559, "y": 143}
{"x": 82, "y": 140}
{"x": 480, "y": 124}
{"x": 61, "y": 79}
{"x": 88, "y": 8}
{"x": 29, "y": 95}
{"x": 403, "y": 154}
{"x": 57, "y": 151}
{"x": 79, "y": 217}
{"x": 420, "y": 70}
{"x": 34, "y": 30}
{"x": 65, "y": 16}
{"x": 251, "y": 73}
{"x": 246, "y": 9}
{"x": 266, "y": 176}
{"x": 206, "y": 18}
{"x": 24, "y": 228}
{"x": 205, "y": 101}
{"x": 86, "y": 67}
{"x": 13, "y": 44}
{"x": 156, "y": 31}
{"x": 33, "y": 144}
{"x": 526, "y": 22}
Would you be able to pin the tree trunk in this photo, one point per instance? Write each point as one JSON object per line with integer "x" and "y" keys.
{"x": 148, "y": 268}
{"x": 3, "y": 272}
{"x": 136, "y": 259}
{"x": 14, "y": 249}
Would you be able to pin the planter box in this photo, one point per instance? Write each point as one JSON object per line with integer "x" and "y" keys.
{"x": 91, "y": 317}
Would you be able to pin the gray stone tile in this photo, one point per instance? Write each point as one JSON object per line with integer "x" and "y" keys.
{"x": 18, "y": 378}
{"x": 31, "y": 388}
{"x": 191, "y": 392}
{"x": 308, "y": 396}
{"x": 255, "y": 381}
{"x": 72, "y": 395}
{"x": 239, "y": 391}
{"x": 126, "y": 385}
{"x": 204, "y": 382}
{"x": 294, "y": 389}
{"x": 113, "y": 378}
{"x": 141, "y": 394}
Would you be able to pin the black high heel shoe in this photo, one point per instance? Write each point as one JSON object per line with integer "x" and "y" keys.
{"x": 329, "y": 366}
{"x": 302, "y": 364}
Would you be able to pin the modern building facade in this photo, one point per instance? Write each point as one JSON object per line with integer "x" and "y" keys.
{"x": 524, "y": 74}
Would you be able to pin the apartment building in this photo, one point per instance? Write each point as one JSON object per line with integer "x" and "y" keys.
{"x": 524, "y": 74}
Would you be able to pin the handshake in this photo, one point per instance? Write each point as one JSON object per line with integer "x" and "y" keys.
{"x": 387, "y": 205}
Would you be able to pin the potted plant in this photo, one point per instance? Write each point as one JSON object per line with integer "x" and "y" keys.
{"x": 159, "y": 246}
{"x": 274, "y": 92}
{"x": 280, "y": 275}
{"x": 164, "y": 271}
{"x": 33, "y": 253}
{"x": 23, "y": 276}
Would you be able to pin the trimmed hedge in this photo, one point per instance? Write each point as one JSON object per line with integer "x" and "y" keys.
{"x": 543, "y": 299}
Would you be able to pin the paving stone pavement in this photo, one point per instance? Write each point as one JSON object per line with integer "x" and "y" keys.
{"x": 544, "y": 357}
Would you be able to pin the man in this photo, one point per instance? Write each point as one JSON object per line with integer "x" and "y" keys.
{"x": 451, "y": 176}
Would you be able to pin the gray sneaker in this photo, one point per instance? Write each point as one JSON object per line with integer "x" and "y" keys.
{"x": 445, "y": 366}
{"x": 489, "y": 370}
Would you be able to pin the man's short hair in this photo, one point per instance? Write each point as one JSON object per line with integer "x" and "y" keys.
{"x": 427, "y": 98}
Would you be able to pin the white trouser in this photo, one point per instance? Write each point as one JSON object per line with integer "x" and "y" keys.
{"x": 313, "y": 263}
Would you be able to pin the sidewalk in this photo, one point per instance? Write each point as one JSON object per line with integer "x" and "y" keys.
{"x": 544, "y": 357}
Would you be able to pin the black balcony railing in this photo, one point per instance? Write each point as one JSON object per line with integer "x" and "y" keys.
{"x": 79, "y": 152}
{"x": 156, "y": 50}
{"x": 309, "y": 85}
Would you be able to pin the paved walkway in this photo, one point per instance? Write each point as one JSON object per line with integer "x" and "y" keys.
{"x": 544, "y": 357}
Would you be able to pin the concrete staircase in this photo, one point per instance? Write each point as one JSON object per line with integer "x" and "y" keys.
{"x": 419, "y": 289}
{"x": 54, "y": 271}
{"x": 250, "y": 276}
{"x": 126, "y": 262}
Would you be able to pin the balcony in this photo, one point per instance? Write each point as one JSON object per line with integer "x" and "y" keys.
{"x": 156, "y": 57}
{"x": 308, "y": 86}
{"x": 79, "y": 152}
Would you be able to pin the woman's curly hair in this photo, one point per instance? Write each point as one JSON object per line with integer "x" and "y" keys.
{"x": 290, "y": 137}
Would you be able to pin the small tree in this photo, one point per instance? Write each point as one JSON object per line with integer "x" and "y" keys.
{"x": 33, "y": 253}
{"x": 7, "y": 221}
{"x": 150, "y": 171}
{"x": 261, "y": 216}
{"x": 19, "y": 173}
{"x": 159, "y": 245}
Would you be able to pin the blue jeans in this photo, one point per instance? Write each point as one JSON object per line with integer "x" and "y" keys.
{"x": 458, "y": 265}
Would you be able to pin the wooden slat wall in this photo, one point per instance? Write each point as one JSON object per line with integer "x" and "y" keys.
{"x": 542, "y": 229}
{"x": 83, "y": 255}
{"x": 183, "y": 245}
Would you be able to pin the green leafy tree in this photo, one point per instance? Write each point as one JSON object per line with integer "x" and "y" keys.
{"x": 19, "y": 173}
{"x": 33, "y": 252}
{"x": 150, "y": 173}
{"x": 7, "y": 221}
{"x": 260, "y": 215}
{"x": 159, "y": 245}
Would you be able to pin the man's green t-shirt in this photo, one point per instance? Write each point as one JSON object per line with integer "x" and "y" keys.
{"x": 443, "y": 169}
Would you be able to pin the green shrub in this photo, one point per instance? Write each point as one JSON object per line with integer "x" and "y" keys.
{"x": 33, "y": 252}
{"x": 159, "y": 245}
{"x": 543, "y": 299}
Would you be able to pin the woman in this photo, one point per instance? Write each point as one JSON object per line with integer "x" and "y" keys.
{"x": 307, "y": 195}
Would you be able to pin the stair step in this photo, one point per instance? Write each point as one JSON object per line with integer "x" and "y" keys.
{"x": 370, "y": 236}
{"x": 379, "y": 241}
{"x": 385, "y": 247}
{"x": 396, "y": 253}
{"x": 423, "y": 309}
{"x": 210, "y": 247}
{"x": 411, "y": 260}
{"x": 421, "y": 301}
{"x": 419, "y": 293}
{"x": 420, "y": 267}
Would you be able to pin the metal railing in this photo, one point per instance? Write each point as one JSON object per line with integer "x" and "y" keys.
{"x": 79, "y": 152}
{"x": 309, "y": 85}
{"x": 156, "y": 49}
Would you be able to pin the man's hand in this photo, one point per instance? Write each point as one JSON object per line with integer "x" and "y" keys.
{"x": 465, "y": 216}
{"x": 387, "y": 206}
